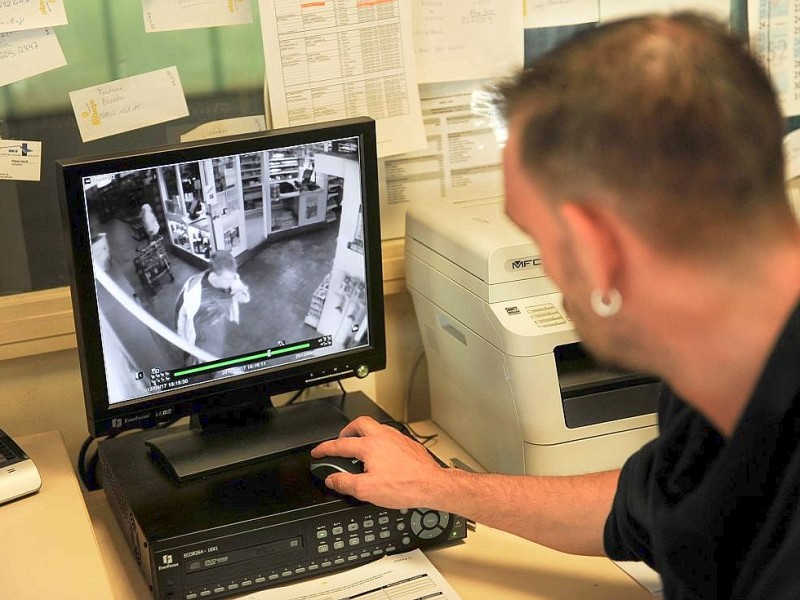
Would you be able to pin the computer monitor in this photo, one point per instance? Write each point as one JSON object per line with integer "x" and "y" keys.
{"x": 211, "y": 315}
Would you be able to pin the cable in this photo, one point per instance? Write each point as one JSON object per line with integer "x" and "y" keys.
{"x": 412, "y": 377}
{"x": 294, "y": 398}
{"x": 341, "y": 387}
{"x": 404, "y": 427}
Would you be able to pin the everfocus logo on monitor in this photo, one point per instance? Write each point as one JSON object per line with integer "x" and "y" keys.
{"x": 524, "y": 263}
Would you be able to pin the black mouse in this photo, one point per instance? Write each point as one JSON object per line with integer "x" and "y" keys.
{"x": 327, "y": 465}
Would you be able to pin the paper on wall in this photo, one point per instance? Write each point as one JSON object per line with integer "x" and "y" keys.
{"x": 20, "y": 160}
{"x": 775, "y": 38}
{"x": 226, "y": 127}
{"x": 27, "y": 53}
{"x": 129, "y": 103}
{"x": 170, "y": 15}
{"x": 546, "y": 13}
{"x": 335, "y": 59}
{"x": 463, "y": 160}
{"x": 31, "y": 14}
{"x": 618, "y": 9}
{"x": 469, "y": 39}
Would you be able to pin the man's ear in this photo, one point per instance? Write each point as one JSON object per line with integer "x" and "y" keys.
{"x": 595, "y": 243}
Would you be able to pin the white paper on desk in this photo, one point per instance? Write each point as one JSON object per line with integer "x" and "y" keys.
{"x": 225, "y": 127}
{"x": 334, "y": 59}
{"x": 618, "y": 9}
{"x": 20, "y": 160}
{"x": 129, "y": 103}
{"x": 24, "y": 54}
{"x": 170, "y": 15}
{"x": 33, "y": 14}
{"x": 407, "y": 576}
{"x": 550, "y": 13}
{"x": 775, "y": 36}
{"x": 468, "y": 39}
{"x": 463, "y": 160}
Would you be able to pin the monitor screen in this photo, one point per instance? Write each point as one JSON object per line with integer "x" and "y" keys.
{"x": 226, "y": 265}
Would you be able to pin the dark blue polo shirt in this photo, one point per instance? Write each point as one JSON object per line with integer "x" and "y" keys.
{"x": 720, "y": 518}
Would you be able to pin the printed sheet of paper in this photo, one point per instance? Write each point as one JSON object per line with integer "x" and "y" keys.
{"x": 335, "y": 59}
{"x": 469, "y": 39}
{"x": 20, "y": 15}
{"x": 408, "y": 576}
{"x": 463, "y": 160}
{"x": 129, "y": 103}
{"x": 24, "y": 54}
{"x": 775, "y": 37}
{"x": 226, "y": 127}
{"x": 169, "y": 15}
{"x": 20, "y": 160}
{"x": 554, "y": 13}
{"x": 618, "y": 9}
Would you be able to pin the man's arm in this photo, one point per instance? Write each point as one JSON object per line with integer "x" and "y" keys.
{"x": 565, "y": 513}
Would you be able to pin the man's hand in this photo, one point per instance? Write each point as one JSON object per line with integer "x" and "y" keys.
{"x": 398, "y": 471}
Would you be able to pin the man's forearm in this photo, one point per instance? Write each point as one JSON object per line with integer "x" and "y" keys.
{"x": 566, "y": 513}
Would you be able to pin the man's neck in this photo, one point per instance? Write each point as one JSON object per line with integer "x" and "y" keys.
{"x": 717, "y": 349}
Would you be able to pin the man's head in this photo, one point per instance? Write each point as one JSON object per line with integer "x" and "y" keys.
{"x": 222, "y": 269}
{"x": 664, "y": 127}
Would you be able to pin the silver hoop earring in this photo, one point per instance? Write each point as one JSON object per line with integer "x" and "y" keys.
{"x": 606, "y": 304}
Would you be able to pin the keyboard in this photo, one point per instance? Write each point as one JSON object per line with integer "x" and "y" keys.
{"x": 18, "y": 475}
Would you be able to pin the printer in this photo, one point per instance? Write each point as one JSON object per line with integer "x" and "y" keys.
{"x": 509, "y": 379}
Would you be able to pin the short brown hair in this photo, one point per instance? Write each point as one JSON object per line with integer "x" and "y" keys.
{"x": 668, "y": 117}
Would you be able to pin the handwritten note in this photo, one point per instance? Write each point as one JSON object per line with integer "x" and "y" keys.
{"x": 130, "y": 103}
{"x": 27, "y": 53}
{"x": 226, "y": 127}
{"x": 554, "y": 13}
{"x": 618, "y": 9}
{"x": 20, "y": 15}
{"x": 169, "y": 15}
{"x": 20, "y": 160}
{"x": 469, "y": 39}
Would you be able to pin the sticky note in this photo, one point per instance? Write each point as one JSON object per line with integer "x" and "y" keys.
{"x": 27, "y": 53}
{"x": 19, "y": 15}
{"x": 169, "y": 15}
{"x": 129, "y": 103}
{"x": 20, "y": 160}
{"x": 225, "y": 127}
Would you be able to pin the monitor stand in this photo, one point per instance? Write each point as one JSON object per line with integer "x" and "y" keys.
{"x": 198, "y": 451}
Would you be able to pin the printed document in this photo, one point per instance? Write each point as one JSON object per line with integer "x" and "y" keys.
{"x": 408, "y": 576}
{"x": 129, "y": 103}
{"x": 468, "y": 39}
{"x": 19, "y": 15}
{"x": 169, "y": 15}
{"x": 775, "y": 37}
{"x": 27, "y": 53}
{"x": 547, "y": 13}
{"x": 463, "y": 160}
{"x": 335, "y": 59}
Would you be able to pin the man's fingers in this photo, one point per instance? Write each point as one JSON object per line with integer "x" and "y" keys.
{"x": 360, "y": 427}
{"x": 343, "y": 446}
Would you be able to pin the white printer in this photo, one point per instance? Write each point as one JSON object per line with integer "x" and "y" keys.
{"x": 509, "y": 379}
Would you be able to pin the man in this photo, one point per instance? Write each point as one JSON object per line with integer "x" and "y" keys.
{"x": 645, "y": 159}
{"x": 207, "y": 305}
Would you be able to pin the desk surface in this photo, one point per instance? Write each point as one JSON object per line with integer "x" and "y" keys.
{"x": 48, "y": 548}
{"x": 490, "y": 564}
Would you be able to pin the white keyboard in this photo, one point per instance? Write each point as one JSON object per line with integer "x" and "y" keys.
{"x": 18, "y": 475}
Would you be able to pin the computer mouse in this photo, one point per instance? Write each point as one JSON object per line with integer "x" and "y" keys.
{"x": 327, "y": 465}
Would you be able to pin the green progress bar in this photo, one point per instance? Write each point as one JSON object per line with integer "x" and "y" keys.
{"x": 236, "y": 361}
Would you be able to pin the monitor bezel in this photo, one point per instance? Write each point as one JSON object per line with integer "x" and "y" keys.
{"x": 104, "y": 418}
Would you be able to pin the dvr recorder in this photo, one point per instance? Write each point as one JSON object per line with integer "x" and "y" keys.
{"x": 250, "y": 528}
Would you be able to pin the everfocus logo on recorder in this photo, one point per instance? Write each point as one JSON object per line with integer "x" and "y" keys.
{"x": 522, "y": 264}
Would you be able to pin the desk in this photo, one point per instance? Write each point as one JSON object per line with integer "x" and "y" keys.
{"x": 48, "y": 549}
{"x": 491, "y": 564}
